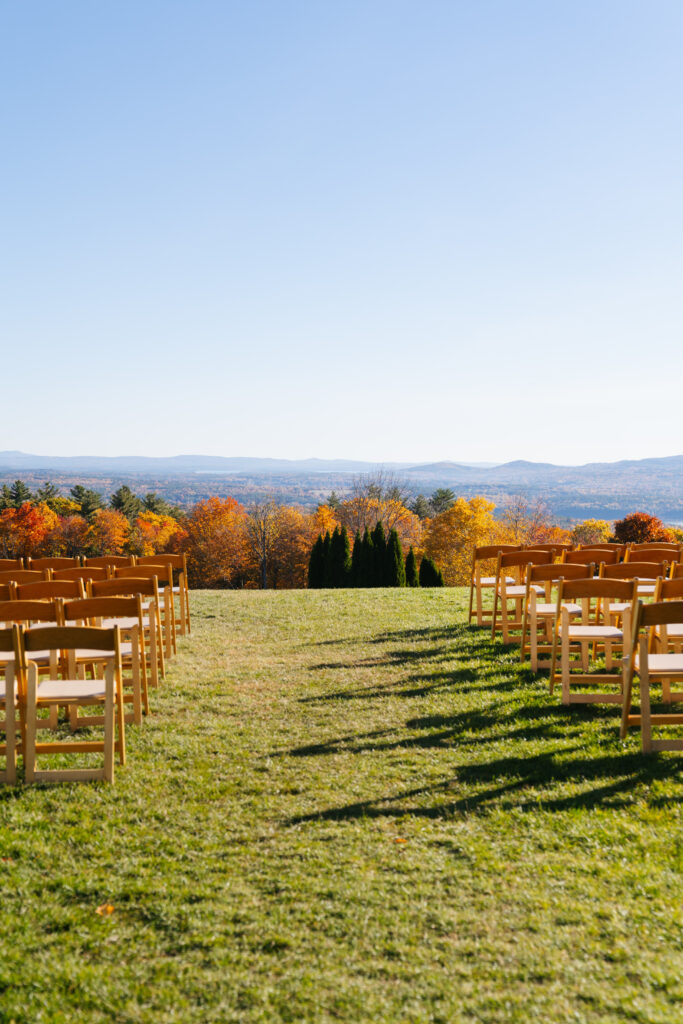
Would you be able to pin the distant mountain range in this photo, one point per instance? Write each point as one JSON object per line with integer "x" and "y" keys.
{"x": 183, "y": 464}
{"x": 605, "y": 490}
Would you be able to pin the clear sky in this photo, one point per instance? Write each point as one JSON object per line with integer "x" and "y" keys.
{"x": 379, "y": 229}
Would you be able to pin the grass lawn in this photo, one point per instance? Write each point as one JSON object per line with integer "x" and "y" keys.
{"x": 348, "y": 807}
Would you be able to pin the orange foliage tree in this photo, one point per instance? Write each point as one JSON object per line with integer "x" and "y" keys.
{"x": 108, "y": 533}
{"x": 451, "y": 536}
{"x": 528, "y": 522}
{"x": 216, "y": 543}
{"x": 26, "y": 530}
{"x": 361, "y": 512}
{"x": 152, "y": 533}
{"x": 591, "y": 531}
{"x": 70, "y": 537}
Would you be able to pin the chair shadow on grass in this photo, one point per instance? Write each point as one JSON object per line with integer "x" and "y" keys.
{"x": 519, "y": 783}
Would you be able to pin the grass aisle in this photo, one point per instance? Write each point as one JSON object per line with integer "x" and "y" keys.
{"x": 348, "y": 807}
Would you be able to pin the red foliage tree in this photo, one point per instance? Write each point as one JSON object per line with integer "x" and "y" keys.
{"x": 641, "y": 528}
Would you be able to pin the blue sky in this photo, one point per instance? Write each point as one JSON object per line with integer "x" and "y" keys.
{"x": 382, "y": 229}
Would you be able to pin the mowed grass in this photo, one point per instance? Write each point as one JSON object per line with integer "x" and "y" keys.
{"x": 346, "y": 806}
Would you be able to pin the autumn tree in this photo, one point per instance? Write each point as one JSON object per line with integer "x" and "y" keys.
{"x": 151, "y": 533}
{"x": 640, "y": 528}
{"x": 451, "y": 537}
{"x": 591, "y": 531}
{"x": 263, "y": 529}
{"x": 288, "y": 562}
{"x": 527, "y": 521}
{"x": 216, "y": 543}
{"x": 108, "y": 533}
{"x": 26, "y": 530}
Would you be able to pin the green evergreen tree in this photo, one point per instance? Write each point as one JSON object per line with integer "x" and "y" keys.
{"x": 88, "y": 501}
{"x": 5, "y": 498}
{"x": 341, "y": 558}
{"x": 412, "y": 578}
{"x": 394, "y": 566}
{"x": 316, "y": 565}
{"x": 430, "y": 576}
{"x": 367, "y": 560}
{"x": 47, "y": 493}
{"x": 327, "y": 560}
{"x": 152, "y": 502}
{"x": 124, "y": 501}
{"x": 356, "y": 575}
{"x": 441, "y": 500}
{"x": 19, "y": 493}
{"x": 379, "y": 542}
{"x": 421, "y": 507}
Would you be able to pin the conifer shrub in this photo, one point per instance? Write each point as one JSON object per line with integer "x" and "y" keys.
{"x": 316, "y": 565}
{"x": 429, "y": 575}
{"x": 412, "y": 578}
{"x": 394, "y": 566}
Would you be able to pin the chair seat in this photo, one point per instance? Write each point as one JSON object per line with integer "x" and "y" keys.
{"x": 663, "y": 664}
{"x": 3, "y": 690}
{"x": 485, "y": 581}
{"x": 71, "y": 689}
{"x": 83, "y": 654}
{"x": 594, "y": 633}
{"x": 124, "y": 622}
{"x": 520, "y": 591}
{"x": 549, "y": 608}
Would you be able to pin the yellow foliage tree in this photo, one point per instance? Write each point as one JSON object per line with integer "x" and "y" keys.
{"x": 592, "y": 531}
{"x": 451, "y": 536}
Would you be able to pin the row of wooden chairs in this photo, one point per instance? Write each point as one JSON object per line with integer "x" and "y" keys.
{"x": 171, "y": 567}
{"x": 591, "y": 632}
{"x": 129, "y": 600}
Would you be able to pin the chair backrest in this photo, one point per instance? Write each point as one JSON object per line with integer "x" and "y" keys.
{"x": 109, "y": 588}
{"x": 103, "y": 607}
{"x": 530, "y": 556}
{"x": 53, "y": 563}
{"x": 599, "y": 588}
{"x": 164, "y": 573}
{"x": 633, "y": 570}
{"x": 102, "y": 561}
{"x": 11, "y": 563}
{"x": 653, "y": 553}
{"x": 30, "y": 611}
{"x": 659, "y": 613}
{"x": 610, "y": 556}
{"x": 655, "y": 545}
{"x": 669, "y": 590}
{"x": 47, "y": 590}
{"x": 24, "y": 575}
{"x": 69, "y": 638}
{"x": 554, "y": 572}
{"x": 83, "y": 573}
{"x": 551, "y": 546}
{"x": 180, "y": 561}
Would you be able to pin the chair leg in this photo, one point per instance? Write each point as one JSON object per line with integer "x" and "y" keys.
{"x": 645, "y": 721}
{"x": 30, "y": 735}
{"x": 565, "y": 667}
{"x": 109, "y": 726}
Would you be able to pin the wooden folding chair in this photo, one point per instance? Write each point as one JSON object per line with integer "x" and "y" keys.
{"x": 479, "y": 583}
{"x": 146, "y": 588}
{"x": 164, "y": 575}
{"x": 127, "y": 614}
{"x": 646, "y": 574}
{"x": 672, "y": 640}
{"x": 580, "y": 643}
{"x": 589, "y": 554}
{"x": 179, "y": 563}
{"x": 48, "y": 590}
{"x": 9, "y": 651}
{"x": 71, "y": 690}
{"x": 540, "y": 609}
{"x": 515, "y": 562}
{"x": 53, "y": 563}
{"x": 556, "y": 548}
{"x": 653, "y": 668}
{"x": 31, "y": 613}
